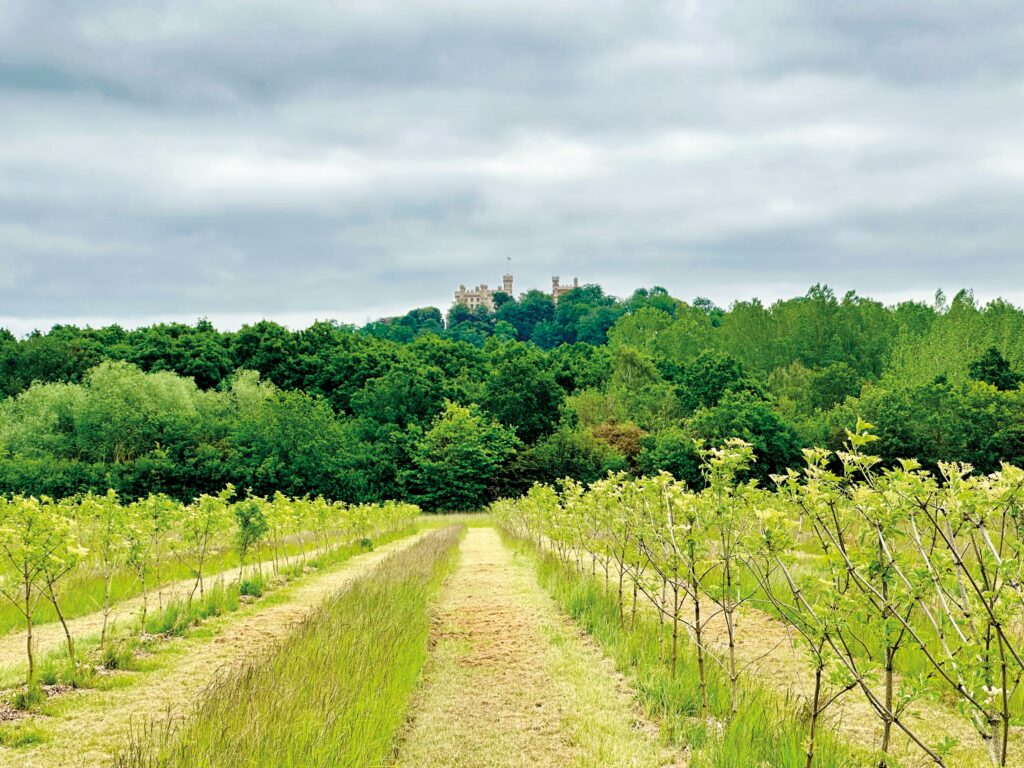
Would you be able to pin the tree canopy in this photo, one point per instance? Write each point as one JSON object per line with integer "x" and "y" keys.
{"x": 576, "y": 388}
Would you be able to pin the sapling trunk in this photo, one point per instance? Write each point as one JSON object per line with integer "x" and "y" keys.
{"x": 622, "y": 573}
{"x": 69, "y": 641}
{"x": 1004, "y": 714}
{"x": 661, "y": 622}
{"x": 28, "y": 631}
{"x": 145, "y": 602}
{"x": 815, "y": 703}
{"x": 728, "y": 612}
{"x": 698, "y": 633}
{"x": 733, "y": 674}
{"x": 632, "y": 615}
{"x": 106, "y": 607}
{"x": 890, "y": 652}
{"x": 675, "y": 626}
{"x": 887, "y": 716}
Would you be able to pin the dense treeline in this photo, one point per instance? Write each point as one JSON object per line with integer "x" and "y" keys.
{"x": 452, "y": 412}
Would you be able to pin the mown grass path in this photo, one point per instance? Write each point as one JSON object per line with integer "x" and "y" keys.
{"x": 511, "y": 682}
{"x": 90, "y": 725}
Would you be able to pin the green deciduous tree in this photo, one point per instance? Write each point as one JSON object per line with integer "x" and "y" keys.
{"x": 521, "y": 392}
{"x": 457, "y": 462}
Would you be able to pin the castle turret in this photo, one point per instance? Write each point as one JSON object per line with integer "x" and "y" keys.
{"x": 558, "y": 290}
{"x": 506, "y": 284}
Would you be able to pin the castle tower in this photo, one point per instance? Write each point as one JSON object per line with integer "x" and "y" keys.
{"x": 558, "y": 290}
{"x": 506, "y": 284}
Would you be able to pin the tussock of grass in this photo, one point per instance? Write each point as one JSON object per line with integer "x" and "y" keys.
{"x": 178, "y": 615}
{"x": 28, "y": 697}
{"x": 767, "y": 730}
{"x": 334, "y": 693}
{"x": 253, "y": 587}
{"x": 21, "y": 734}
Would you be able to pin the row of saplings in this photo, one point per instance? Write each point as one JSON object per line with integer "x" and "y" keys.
{"x": 93, "y": 550}
{"x": 897, "y": 583}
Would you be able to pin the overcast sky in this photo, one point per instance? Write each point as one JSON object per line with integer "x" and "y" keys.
{"x": 296, "y": 159}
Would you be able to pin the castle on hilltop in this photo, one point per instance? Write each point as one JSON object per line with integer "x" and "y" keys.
{"x": 483, "y": 295}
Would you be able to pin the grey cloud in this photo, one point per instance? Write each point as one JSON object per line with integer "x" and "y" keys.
{"x": 238, "y": 159}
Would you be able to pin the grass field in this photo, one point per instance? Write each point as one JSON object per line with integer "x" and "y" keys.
{"x": 457, "y": 648}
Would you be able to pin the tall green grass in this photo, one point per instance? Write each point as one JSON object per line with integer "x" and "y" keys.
{"x": 768, "y": 730}
{"x": 333, "y": 693}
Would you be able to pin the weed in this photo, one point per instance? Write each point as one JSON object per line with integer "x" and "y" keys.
{"x": 254, "y": 586}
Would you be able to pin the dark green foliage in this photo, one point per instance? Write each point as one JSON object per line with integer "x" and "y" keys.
{"x": 344, "y": 412}
{"x": 457, "y": 462}
{"x": 521, "y": 392}
{"x": 566, "y": 453}
{"x": 534, "y": 307}
{"x": 200, "y": 352}
{"x": 995, "y": 369}
{"x": 741, "y": 414}
{"x": 472, "y": 326}
{"x": 674, "y": 451}
{"x": 409, "y": 326}
{"x": 580, "y": 366}
{"x": 705, "y": 381}
{"x": 251, "y": 527}
{"x": 941, "y": 421}
{"x": 405, "y": 395}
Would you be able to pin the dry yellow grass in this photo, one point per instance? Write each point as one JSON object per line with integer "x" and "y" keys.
{"x": 512, "y": 683}
{"x": 92, "y": 725}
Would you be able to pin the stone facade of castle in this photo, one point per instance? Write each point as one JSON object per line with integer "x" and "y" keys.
{"x": 558, "y": 290}
{"x": 483, "y": 295}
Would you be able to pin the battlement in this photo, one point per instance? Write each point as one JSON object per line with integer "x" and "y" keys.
{"x": 558, "y": 290}
{"x": 483, "y": 295}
